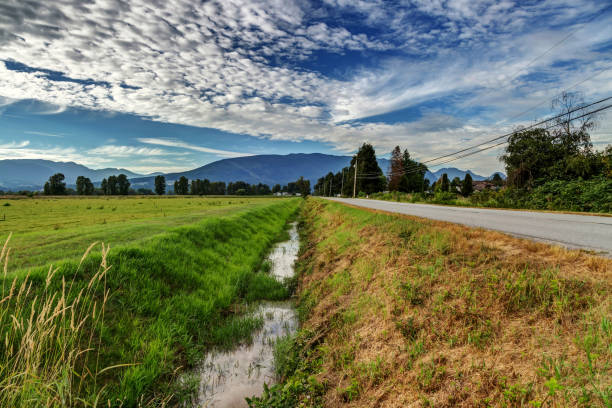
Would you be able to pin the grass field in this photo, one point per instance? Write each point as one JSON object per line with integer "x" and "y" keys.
{"x": 53, "y": 229}
{"x": 118, "y": 327}
{"x": 399, "y": 311}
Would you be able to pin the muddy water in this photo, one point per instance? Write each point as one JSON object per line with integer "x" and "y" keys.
{"x": 226, "y": 378}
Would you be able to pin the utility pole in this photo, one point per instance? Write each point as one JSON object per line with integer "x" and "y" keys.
{"x": 342, "y": 187}
{"x": 355, "y": 181}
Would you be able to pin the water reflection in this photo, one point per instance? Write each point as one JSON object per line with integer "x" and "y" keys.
{"x": 226, "y": 378}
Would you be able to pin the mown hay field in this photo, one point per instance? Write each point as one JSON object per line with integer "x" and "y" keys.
{"x": 52, "y": 229}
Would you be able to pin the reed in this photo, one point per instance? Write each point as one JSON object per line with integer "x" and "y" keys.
{"x": 48, "y": 337}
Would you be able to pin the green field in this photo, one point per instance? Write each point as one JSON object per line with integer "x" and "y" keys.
{"x": 48, "y": 230}
{"x": 121, "y": 326}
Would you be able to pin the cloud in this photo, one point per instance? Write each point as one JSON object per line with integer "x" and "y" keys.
{"x": 183, "y": 145}
{"x": 127, "y": 151}
{"x": 36, "y": 133}
{"x": 22, "y": 150}
{"x": 236, "y": 65}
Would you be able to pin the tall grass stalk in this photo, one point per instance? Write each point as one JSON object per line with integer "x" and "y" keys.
{"x": 48, "y": 338}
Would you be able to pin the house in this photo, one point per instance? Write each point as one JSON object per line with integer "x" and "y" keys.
{"x": 483, "y": 185}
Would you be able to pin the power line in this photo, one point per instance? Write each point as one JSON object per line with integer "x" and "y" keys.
{"x": 527, "y": 128}
{"x": 506, "y": 141}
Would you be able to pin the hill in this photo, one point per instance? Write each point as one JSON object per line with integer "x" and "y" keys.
{"x": 268, "y": 169}
{"x": 31, "y": 174}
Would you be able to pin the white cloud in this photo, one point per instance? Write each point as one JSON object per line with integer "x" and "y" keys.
{"x": 126, "y": 151}
{"x": 215, "y": 65}
{"x": 36, "y": 133}
{"x": 183, "y": 145}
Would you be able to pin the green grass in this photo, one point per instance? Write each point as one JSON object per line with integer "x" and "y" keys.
{"x": 155, "y": 309}
{"x": 51, "y": 229}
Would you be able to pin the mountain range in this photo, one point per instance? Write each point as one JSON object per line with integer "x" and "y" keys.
{"x": 30, "y": 174}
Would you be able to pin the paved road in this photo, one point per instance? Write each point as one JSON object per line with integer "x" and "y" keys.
{"x": 570, "y": 230}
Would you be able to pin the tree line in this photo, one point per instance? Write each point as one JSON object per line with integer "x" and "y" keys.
{"x": 120, "y": 185}
{"x": 539, "y": 162}
{"x": 207, "y": 187}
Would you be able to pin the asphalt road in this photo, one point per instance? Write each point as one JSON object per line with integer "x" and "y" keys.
{"x": 570, "y": 230}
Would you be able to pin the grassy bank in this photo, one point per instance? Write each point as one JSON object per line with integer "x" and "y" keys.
{"x": 119, "y": 327}
{"x": 593, "y": 195}
{"x": 400, "y": 311}
{"x": 51, "y": 229}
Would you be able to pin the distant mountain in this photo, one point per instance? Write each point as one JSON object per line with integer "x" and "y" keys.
{"x": 453, "y": 172}
{"x": 268, "y": 169}
{"x": 31, "y": 174}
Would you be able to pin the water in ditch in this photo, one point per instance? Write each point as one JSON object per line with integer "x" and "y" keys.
{"x": 227, "y": 378}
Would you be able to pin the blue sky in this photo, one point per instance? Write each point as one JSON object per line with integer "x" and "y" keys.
{"x": 118, "y": 83}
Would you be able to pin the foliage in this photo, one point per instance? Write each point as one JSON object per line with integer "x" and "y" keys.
{"x": 467, "y": 188}
{"x": 413, "y": 178}
{"x": 370, "y": 178}
{"x": 181, "y": 186}
{"x": 55, "y": 185}
{"x": 443, "y": 185}
{"x": 115, "y": 185}
{"x": 594, "y": 195}
{"x": 303, "y": 187}
{"x": 396, "y": 169}
{"x": 123, "y": 185}
{"x": 243, "y": 188}
{"x": 84, "y": 186}
{"x": 160, "y": 185}
{"x": 560, "y": 152}
{"x": 165, "y": 302}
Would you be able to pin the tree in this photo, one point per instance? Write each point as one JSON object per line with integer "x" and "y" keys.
{"x": 303, "y": 186}
{"x": 413, "y": 179}
{"x": 370, "y": 178}
{"x": 160, "y": 185}
{"x": 396, "y": 169}
{"x": 455, "y": 184}
{"x": 181, "y": 186}
{"x": 276, "y": 188}
{"x": 111, "y": 185}
{"x": 497, "y": 180}
{"x": 535, "y": 156}
{"x": 467, "y": 187}
{"x": 123, "y": 185}
{"x": 84, "y": 186}
{"x": 55, "y": 185}
{"x": 444, "y": 184}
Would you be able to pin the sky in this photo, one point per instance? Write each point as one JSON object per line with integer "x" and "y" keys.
{"x": 170, "y": 85}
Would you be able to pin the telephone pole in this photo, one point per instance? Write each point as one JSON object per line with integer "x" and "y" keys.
{"x": 355, "y": 181}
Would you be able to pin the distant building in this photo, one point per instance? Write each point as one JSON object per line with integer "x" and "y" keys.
{"x": 483, "y": 185}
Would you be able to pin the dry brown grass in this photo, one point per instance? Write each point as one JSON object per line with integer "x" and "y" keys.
{"x": 420, "y": 313}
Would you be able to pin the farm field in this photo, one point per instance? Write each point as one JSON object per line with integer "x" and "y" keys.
{"x": 48, "y": 230}
{"x": 401, "y": 311}
{"x": 119, "y": 327}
